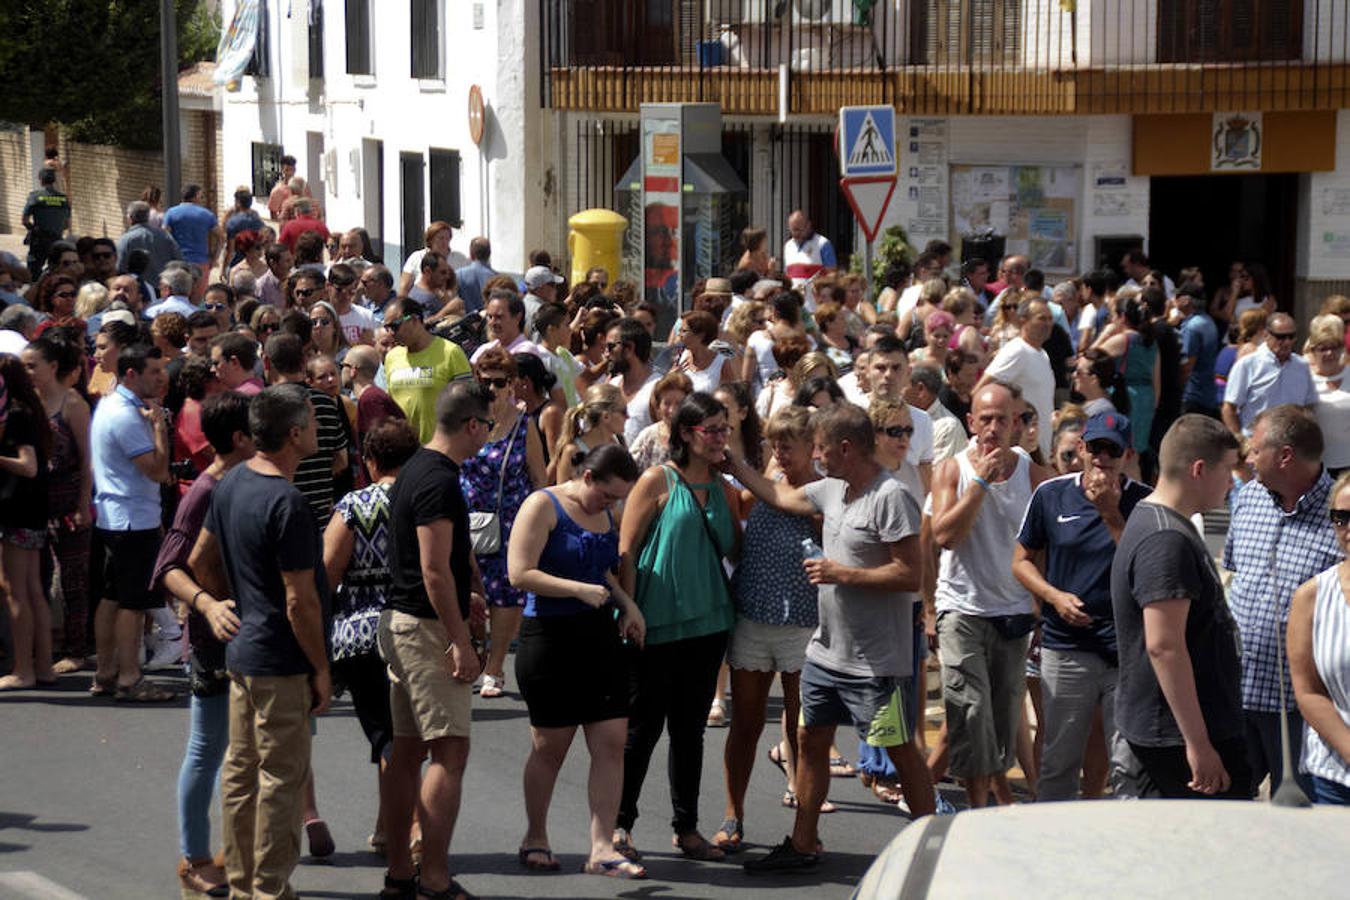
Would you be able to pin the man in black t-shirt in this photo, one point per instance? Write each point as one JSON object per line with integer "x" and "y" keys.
{"x": 424, "y": 637}
{"x": 1178, "y": 698}
{"x": 259, "y": 548}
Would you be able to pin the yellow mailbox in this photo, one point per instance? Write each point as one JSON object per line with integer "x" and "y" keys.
{"x": 595, "y": 239}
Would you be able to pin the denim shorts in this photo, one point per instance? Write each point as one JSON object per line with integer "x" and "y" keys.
{"x": 874, "y": 705}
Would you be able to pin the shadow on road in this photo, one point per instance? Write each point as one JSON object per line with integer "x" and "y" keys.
{"x": 24, "y": 822}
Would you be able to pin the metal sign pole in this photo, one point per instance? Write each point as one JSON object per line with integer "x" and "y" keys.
{"x": 867, "y": 267}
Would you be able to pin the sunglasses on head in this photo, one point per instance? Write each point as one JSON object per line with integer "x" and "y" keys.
{"x": 1339, "y": 517}
{"x": 898, "y": 431}
{"x": 1110, "y": 448}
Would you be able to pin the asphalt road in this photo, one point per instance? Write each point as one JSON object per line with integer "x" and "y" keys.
{"x": 87, "y": 809}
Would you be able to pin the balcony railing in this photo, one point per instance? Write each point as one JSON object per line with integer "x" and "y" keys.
{"x": 948, "y": 56}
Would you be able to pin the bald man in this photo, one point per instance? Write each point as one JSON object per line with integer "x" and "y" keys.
{"x": 373, "y": 404}
{"x": 806, "y": 255}
{"x": 1271, "y": 376}
{"x": 984, "y": 614}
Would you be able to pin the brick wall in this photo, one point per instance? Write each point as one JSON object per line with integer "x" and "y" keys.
{"x": 103, "y": 179}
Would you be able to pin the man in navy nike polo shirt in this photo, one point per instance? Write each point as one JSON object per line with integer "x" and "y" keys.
{"x": 1063, "y": 557}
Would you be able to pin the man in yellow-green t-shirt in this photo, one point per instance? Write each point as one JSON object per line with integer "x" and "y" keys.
{"x": 420, "y": 366}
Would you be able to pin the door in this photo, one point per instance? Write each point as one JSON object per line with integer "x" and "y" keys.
{"x": 1211, "y": 221}
{"x": 372, "y": 191}
{"x": 314, "y": 165}
{"x": 412, "y": 201}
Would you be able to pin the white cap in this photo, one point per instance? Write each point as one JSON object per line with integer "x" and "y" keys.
{"x": 538, "y": 276}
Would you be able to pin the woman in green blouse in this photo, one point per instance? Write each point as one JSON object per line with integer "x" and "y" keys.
{"x": 677, "y": 529}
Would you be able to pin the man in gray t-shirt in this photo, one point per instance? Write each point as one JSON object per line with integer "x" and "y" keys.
{"x": 858, "y": 663}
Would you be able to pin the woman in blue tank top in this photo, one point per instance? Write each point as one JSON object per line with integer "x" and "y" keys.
{"x": 571, "y": 665}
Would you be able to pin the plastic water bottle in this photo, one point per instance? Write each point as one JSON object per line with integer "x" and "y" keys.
{"x": 811, "y": 550}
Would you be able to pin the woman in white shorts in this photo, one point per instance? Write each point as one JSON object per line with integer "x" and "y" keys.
{"x": 775, "y": 618}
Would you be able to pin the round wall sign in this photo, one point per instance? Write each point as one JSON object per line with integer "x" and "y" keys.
{"x": 476, "y": 114}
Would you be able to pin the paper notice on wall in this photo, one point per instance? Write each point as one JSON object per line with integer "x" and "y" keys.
{"x": 988, "y": 184}
{"x": 1335, "y": 245}
{"x": 1111, "y": 204}
{"x": 1336, "y": 201}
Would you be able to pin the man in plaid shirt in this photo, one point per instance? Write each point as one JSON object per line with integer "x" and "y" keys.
{"x": 1279, "y": 538}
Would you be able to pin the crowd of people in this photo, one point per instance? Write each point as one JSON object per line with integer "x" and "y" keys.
{"x": 256, "y": 451}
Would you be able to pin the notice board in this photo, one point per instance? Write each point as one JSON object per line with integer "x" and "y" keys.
{"x": 1034, "y": 207}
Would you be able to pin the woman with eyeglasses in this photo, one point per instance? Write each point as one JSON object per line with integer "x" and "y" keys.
{"x": 597, "y": 420}
{"x": 775, "y": 618}
{"x": 507, "y": 468}
{"x": 1325, "y": 352}
{"x": 571, "y": 665}
{"x": 57, "y": 298}
{"x": 327, "y": 336}
{"x": 1096, "y": 383}
{"x": 1319, "y": 664}
{"x": 652, "y": 445}
{"x": 677, "y": 529}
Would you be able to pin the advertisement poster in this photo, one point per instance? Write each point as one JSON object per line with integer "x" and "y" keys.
{"x": 661, "y": 212}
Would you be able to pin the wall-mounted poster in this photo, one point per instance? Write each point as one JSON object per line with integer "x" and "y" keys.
{"x": 661, "y": 173}
{"x": 1034, "y": 207}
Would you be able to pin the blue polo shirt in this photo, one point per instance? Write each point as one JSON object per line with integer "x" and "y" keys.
{"x": 1078, "y": 547}
{"x": 124, "y": 499}
{"x": 191, "y": 226}
{"x": 1200, "y": 344}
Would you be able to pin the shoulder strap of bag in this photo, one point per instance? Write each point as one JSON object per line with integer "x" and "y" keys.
{"x": 707, "y": 529}
{"x": 506, "y": 459}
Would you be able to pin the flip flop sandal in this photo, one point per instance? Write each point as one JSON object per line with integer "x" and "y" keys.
{"x": 492, "y": 686}
{"x": 623, "y": 845}
{"x": 890, "y": 794}
{"x": 702, "y": 850}
{"x": 776, "y": 757}
{"x": 143, "y": 692}
{"x": 398, "y": 888}
{"x": 550, "y": 865}
{"x": 841, "y": 768}
{"x": 790, "y": 801}
{"x": 102, "y": 687}
{"x": 616, "y": 868}
{"x": 729, "y": 836}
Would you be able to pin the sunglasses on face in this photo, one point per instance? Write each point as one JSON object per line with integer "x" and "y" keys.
{"x": 1281, "y": 335}
{"x": 214, "y": 307}
{"x": 711, "y": 430}
{"x": 64, "y": 294}
{"x": 267, "y": 326}
{"x": 1110, "y": 448}
{"x": 106, "y": 254}
{"x": 305, "y": 292}
{"x": 393, "y": 324}
{"x": 1339, "y": 517}
{"x": 489, "y": 424}
{"x": 495, "y": 383}
{"x": 898, "y": 431}
{"x": 320, "y": 321}
{"x": 611, "y": 346}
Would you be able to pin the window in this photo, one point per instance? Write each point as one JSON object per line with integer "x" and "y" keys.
{"x": 965, "y": 32}
{"x": 266, "y": 168}
{"x": 445, "y": 187}
{"x": 1196, "y": 31}
{"x": 358, "y": 38}
{"x": 315, "y": 39}
{"x": 411, "y": 201}
{"x": 426, "y": 39}
{"x": 260, "y": 66}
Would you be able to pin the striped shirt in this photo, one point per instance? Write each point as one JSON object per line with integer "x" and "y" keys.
{"x": 1331, "y": 655}
{"x": 314, "y": 475}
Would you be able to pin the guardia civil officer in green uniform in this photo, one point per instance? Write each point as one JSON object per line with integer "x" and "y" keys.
{"x": 46, "y": 216}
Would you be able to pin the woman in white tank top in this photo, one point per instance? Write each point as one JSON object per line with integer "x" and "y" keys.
{"x": 1319, "y": 665}
{"x": 703, "y": 365}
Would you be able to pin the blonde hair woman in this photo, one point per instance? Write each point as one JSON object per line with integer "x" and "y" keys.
{"x": 91, "y": 300}
{"x": 597, "y": 419}
{"x": 1325, "y": 352}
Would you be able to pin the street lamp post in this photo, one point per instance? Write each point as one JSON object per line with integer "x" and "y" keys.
{"x": 168, "y": 67}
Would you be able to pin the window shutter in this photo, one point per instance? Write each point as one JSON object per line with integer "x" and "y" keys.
{"x": 358, "y": 37}
{"x": 315, "y": 24}
{"x": 412, "y": 206}
{"x": 445, "y": 203}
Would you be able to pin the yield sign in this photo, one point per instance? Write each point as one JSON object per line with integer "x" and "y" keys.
{"x": 869, "y": 197}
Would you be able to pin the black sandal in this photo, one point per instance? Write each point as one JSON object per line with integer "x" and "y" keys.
{"x": 398, "y": 888}
{"x": 454, "y": 891}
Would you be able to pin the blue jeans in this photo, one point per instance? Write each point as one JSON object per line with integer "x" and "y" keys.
{"x": 208, "y": 736}
{"x": 1329, "y": 792}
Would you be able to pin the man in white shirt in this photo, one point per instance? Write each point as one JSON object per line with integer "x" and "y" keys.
{"x": 357, "y": 322}
{"x": 806, "y": 255}
{"x": 1022, "y": 362}
{"x": 505, "y": 315}
{"x": 1272, "y": 376}
{"x": 949, "y": 435}
{"x": 541, "y": 285}
{"x": 888, "y": 373}
{"x": 628, "y": 357}
{"x": 175, "y": 284}
{"x": 927, "y": 267}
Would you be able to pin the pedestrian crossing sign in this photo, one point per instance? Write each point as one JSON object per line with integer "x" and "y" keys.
{"x": 867, "y": 141}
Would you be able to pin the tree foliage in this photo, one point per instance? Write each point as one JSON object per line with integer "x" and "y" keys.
{"x": 92, "y": 66}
